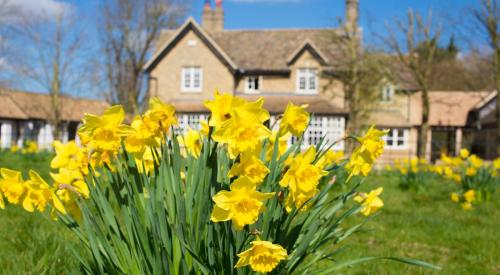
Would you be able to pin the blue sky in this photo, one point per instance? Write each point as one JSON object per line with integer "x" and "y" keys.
{"x": 264, "y": 14}
{"x": 268, "y": 14}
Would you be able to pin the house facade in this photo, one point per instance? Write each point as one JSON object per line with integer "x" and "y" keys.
{"x": 24, "y": 116}
{"x": 300, "y": 66}
{"x": 454, "y": 119}
{"x": 290, "y": 65}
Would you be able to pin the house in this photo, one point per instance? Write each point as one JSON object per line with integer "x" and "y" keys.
{"x": 451, "y": 126}
{"x": 24, "y": 116}
{"x": 300, "y": 66}
{"x": 279, "y": 65}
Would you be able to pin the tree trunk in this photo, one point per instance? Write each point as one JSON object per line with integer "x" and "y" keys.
{"x": 424, "y": 131}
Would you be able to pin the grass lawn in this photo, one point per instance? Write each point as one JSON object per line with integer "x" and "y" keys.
{"x": 431, "y": 228}
{"x": 426, "y": 226}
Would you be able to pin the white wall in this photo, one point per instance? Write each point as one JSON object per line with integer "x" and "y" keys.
{"x": 6, "y": 131}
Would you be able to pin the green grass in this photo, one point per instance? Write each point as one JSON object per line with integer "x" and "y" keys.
{"x": 425, "y": 226}
{"x": 428, "y": 227}
{"x": 31, "y": 243}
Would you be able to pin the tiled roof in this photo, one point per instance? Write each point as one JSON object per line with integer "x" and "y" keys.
{"x": 25, "y": 105}
{"x": 452, "y": 108}
{"x": 272, "y": 49}
{"x": 389, "y": 118}
{"x": 263, "y": 50}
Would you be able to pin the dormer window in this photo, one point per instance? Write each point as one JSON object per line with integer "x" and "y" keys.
{"x": 253, "y": 84}
{"x": 307, "y": 81}
{"x": 192, "y": 79}
{"x": 387, "y": 93}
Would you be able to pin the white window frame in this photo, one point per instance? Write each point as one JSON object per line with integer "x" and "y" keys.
{"x": 331, "y": 127}
{"x": 252, "y": 90}
{"x": 190, "y": 120}
{"x": 387, "y": 93}
{"x": 308, "y": 74}
{"x": 393, "y": 136}
{"x": 191, "y": 70}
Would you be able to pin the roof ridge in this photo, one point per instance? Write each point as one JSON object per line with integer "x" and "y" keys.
{"x": 10, "y": 90}
{"x": 279, "y": 29}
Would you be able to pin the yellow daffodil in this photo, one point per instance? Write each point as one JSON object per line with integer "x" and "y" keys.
{"x": 475, "y": 161}
{"x": 71, "y": 179}
{"x": 147, "y": 160}
{"x": 30, "y": 148}
{"x": 105, "y": 132}
{"x": 302, "y": 177}
{"x": 243, "y": 132}
{"x": 496, "y": 164}
{"x": 372, "y": 146}
{"x": 250, "y": 166}
{"x": 204, "y": 129}
{"x": 470, "y": 195}
{"x": 329, "y": 158}
{"x": 192, "y": 142}
{"x": 14, "y": 148}
{"x": 282, "y": 144}
{"x": 455, "y": 197}
{"x": 262, "y": 257}
{"x": 70, "y": 156}
{"x": 160, "y": 116}
{"x": 242, "y": 204}
{"x": 466, "y": 205}
{"x": 295, "y": 120}
{"x": 12, "y": 185}
{"x": 221, "y": 108}
{"x": 370, "y": 202}
{"x": 470, "y": 171}
{"x": 464, "y": 153}
{"x": 2, "y": 202}
{"x": 69, "y": 207}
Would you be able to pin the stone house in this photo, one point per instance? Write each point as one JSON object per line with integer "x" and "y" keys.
{"x": 280, "y": 65}
{"x": 297, "y": 65}
{"x": 24, "y": 117}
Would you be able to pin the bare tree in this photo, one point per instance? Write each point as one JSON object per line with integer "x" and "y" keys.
{"x": 414, "y": 42}
{"x": 357, "y": 68}
{"x": 129, "y": 32}
{"x": 50, "y": 54}
{"x": 487, "y": 16}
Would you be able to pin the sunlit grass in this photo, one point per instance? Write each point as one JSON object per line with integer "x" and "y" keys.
{"x": 424, "y": 226}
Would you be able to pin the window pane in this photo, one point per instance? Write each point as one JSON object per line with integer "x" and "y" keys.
{"x": 401, "y": 133}
{"x": 302, "y": 83}
{"x": 187, "y": 78}
{"x": 312, "y": 81}
{"x": 256, "y": 84}
{"x": 197, "y": 75}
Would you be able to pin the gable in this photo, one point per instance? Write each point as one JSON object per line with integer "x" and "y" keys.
{"x": 307, "y": 47}
{"x": 190, "y": 26}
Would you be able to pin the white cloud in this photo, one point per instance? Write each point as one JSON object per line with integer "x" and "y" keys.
{"x": 41, "y": 9}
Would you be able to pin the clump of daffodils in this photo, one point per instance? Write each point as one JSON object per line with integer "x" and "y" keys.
{"x": 472, "y": 174}
{"x": 414, "y": 173}
{"x": 230, "y": 194}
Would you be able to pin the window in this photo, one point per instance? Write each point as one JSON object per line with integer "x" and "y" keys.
{"x": 253, "y": 84}
{"x": 307, "y": 81}
{"x": 192, "y": 121}
{"x": 330, "y": 127}
{"x": 387, "y": 93}
{"x": 192, "y": 79}
{"x": 397, "y": 139}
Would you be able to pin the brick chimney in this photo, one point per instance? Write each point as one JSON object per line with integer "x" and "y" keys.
{"x": 213, "y": 20}
{"x": 207, "y": 17}
{"x": 352, "y": 15}
{"x": 218, "y": 17}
